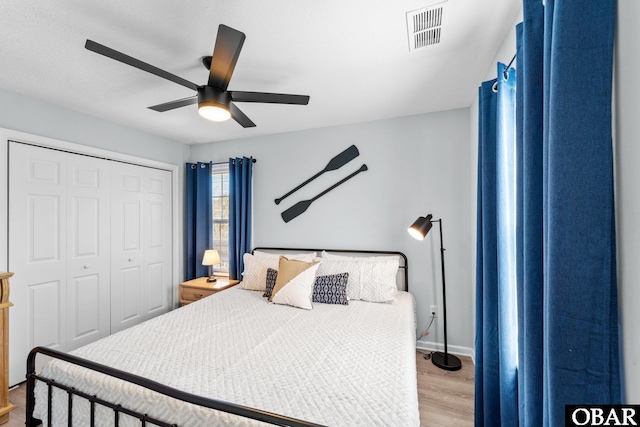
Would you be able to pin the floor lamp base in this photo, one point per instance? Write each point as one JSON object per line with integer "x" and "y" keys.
{"x": 446, "y": 361}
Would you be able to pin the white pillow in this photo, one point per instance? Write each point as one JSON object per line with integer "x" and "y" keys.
{"x": 254, "y": 276}
{"x": 373, "y": 281}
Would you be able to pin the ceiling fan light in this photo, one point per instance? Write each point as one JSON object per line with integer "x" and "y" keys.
{"x": 213, "y": 103}
{"x": 215, "y": 113}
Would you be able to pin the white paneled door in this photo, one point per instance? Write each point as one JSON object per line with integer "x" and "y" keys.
{"x": 90, "y": 246}
{"x": 127, "y": 292}
{"x": 37, "y": 251}
{"x": 157, "y": 242}
{"x": 88, "y": 249}
{"x": 140, "y": 244}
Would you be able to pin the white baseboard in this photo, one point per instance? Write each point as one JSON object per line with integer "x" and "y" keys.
{"x": 453, "y": 349}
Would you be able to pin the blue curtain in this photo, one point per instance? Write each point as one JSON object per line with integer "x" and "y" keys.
{"x": 507, "y": 314}
{"x": 580, "y": 342}
{"x": 198, "y": 218}
{"x": 240, "y": 184}
{"x": 529, "y": 184}
{"x": 487, "y": 387}
{"x": 496, "y": 315}
{"x": 565, "y": 262}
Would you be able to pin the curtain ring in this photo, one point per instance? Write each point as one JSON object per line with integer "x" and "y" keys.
{"x": 495, "y": 87}
{"x": 506, "y": 70}
{"x": 203, "y": 165}
{"x": 193, "y": 166}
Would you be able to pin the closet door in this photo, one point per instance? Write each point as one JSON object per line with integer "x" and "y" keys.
{"x": 157, "y": 242}
{"x": 127, "y": 255}
{"x": 37, "y": 252}
{"x": 88, "y": 249}
{"x": 140, "y": 244}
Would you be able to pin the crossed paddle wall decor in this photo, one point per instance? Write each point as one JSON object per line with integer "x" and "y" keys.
{"x": 336, "y": 163}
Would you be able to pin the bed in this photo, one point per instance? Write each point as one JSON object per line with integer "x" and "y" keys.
{"x": 236, "y": 359}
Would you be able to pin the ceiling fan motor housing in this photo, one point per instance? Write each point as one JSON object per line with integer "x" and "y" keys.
{"x": 211, "y": 96}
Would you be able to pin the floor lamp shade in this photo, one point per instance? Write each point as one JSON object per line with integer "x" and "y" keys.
{"x": 211, "y": 257}
{"x": 419, "y": 230}
{"x": 421, "y": 227}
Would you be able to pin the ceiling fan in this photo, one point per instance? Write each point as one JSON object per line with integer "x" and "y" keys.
{"x": 214, "y": 101}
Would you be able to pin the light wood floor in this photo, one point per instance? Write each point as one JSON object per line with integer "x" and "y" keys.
{"x": 445, "y": 397}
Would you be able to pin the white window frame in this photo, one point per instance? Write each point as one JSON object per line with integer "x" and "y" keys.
{"x": 218, "y": 169}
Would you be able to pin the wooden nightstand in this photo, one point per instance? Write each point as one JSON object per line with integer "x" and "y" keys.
{"x": 195, "y": 289}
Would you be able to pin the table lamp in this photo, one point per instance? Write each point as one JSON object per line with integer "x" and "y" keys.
{"x": 210, "y": 258}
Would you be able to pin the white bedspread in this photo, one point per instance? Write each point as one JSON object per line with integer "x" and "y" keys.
{"x": 334, "y": 365}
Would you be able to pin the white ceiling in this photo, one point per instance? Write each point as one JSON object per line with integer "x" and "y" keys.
{"x": 350, "y": 56}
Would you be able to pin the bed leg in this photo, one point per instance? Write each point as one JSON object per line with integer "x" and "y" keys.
{"x": 31, "y": 421}
{"x": 31, "y": 382}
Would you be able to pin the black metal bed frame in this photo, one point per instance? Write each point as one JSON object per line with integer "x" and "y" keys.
{"x": 220, "y": 405}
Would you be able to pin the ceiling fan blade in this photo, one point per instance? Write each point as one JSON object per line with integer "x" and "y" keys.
{"x": 174, "y": 104}
{"x": 225, "y": 55}
{"x": 240, "y": 117}
{"x": 270, "y": 98}
{"x": 118, "y": 56}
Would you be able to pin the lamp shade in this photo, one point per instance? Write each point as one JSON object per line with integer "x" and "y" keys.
{"x": 211, "y": 257}
{"x": 421, "y": 227}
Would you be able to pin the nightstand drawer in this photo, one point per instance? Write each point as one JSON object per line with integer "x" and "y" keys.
{"x": 193, "y": 290}
{"x": 190, "y": 294}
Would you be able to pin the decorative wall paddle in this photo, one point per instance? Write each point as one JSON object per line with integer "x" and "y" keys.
{"x": 300, "y": 207}
{"x": 336, "y": 163}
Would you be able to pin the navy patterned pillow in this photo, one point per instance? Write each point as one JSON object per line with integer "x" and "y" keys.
{"x": 331, "y": 289}
{"x": 272, "y": 275}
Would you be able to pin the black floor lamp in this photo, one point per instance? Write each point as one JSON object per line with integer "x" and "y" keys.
{"x": 419, "y": 230}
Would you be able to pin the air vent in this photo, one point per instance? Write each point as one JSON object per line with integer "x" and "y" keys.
{"x": 424, "y": 26}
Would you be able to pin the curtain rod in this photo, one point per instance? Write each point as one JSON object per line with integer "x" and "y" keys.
{"x": 505, "y": 73}
{"x": 506, "y": 70}
{"x": 224, "y": 163}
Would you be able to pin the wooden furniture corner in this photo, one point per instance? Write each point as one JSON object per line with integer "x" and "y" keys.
{"x": 5, "y": 406}
{"x": 193, "y": 290}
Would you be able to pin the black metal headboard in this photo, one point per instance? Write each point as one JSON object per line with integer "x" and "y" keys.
{"x": 404, "y": 265}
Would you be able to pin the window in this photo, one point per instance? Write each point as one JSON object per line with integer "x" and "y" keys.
{"x": 220, "y": 212}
